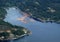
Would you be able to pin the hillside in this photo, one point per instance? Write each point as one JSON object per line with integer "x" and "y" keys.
{"x": 42, "y": 9}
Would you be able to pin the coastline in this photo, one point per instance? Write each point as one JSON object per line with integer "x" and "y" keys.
{"x": 44, "y": 21}
{"x": 18, "y": 37}
{"x": 37, "y": 19}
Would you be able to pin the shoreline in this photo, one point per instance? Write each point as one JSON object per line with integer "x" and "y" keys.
{"x": 37, "y": 19}
{"x": 44, "y": 21}
{"x": 18, "y": 37}
{"x": 13, "y": 33}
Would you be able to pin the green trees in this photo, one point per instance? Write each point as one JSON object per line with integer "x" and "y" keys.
{"x": 2, "y": 13}
{"x": 18, "y": 32}
{"x": 5, "y": 35}
{"x": 47, "y": 9}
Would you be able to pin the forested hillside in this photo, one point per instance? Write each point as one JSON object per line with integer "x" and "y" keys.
{"x": 41, "y": 9}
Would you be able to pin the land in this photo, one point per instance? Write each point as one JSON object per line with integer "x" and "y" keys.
{"x": 44, "y": 11}
{"x": 10, "y": 32}
{"x": 7, "y": 33}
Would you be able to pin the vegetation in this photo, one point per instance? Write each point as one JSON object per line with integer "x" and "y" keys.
{"x": 18, "y": 32}
{"x": 8, "y": 31}
{"x": 4, "y": 35}
{"x": 45, "y": 10}
{"x": 2, "y": 13}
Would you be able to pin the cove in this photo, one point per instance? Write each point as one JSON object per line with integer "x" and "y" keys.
{"x": 41, "y": 32}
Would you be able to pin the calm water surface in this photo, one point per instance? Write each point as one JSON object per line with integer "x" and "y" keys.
{"x": 41, "y": 32}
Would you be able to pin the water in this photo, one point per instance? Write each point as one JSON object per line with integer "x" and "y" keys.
{"x": 41, "y": 32}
